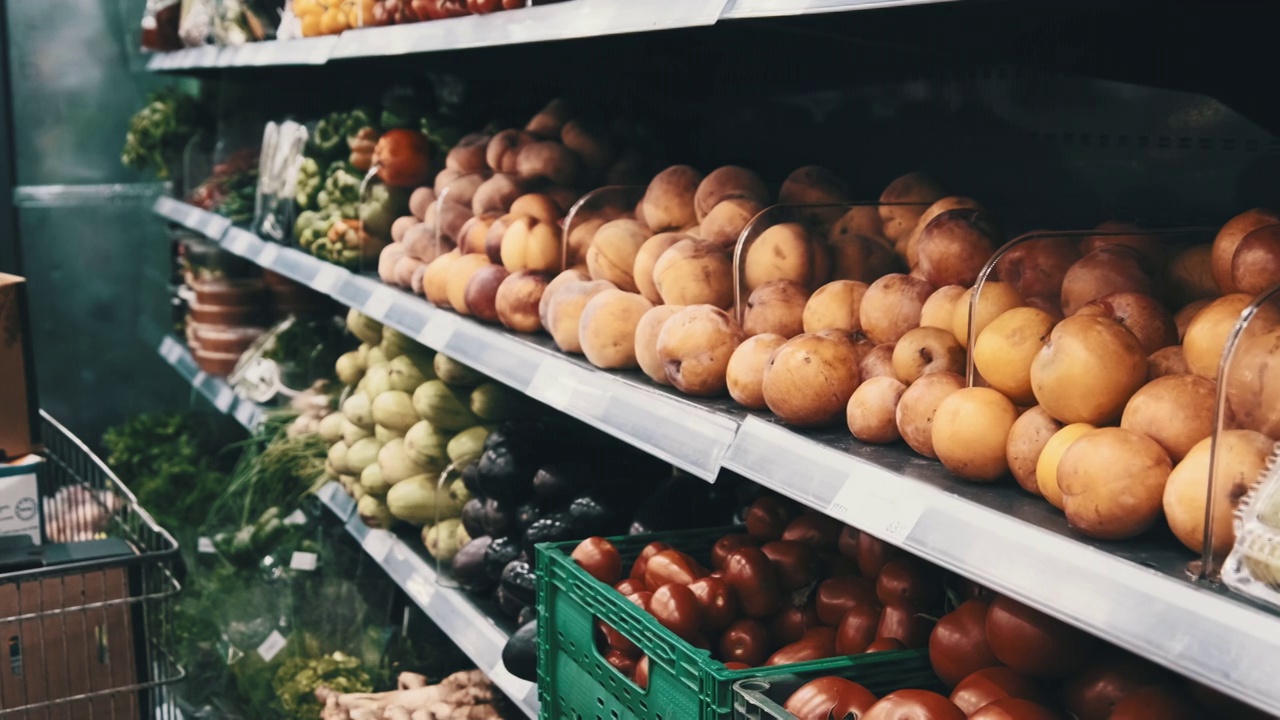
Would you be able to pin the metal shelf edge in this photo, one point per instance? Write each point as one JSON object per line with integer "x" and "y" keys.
{"x": 221, "y": 395}
{"x": 471, "y": 629}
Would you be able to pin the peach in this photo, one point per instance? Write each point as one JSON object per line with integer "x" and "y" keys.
{"x": 566, "y": 308}
{"x": 581, "y": 233}
{"x": 777, "y": 308}
{"x": 460, "y": 272}
{"x": 1113, "y": 483}
{"x": 668, "y": 204}
{"x": 593, "y": 146}
{"x": 745, "y": 373}
{"x": 695, "y": 345}
{"x": 504, "y": 147}
{"x": 917, "y": 406}
{"x": 550, "y": 120}
{"x": 496, "y": 195}
{"x": 891, "y": 306}
{"x": 549, "y": 160}
{"x": 481, "y": 294}
{"x": 607, "y": 328}
{"x": 538, "y": 205}
{"x": 518, "y": 298}
{"x": 647, "y": 258}
{"x": 530, "y": 244}
{"x": 809, "y": 379}
{"x": 435, "y": 282}
{"x": 647, "y": 341}
{"x": 728, "y": 183}
{"x": 872, "y": 411}
{"x": 1088, "y": 370}
{"x": 612, "y": 255}
{"x": 553, "y": 286}
{"x": 694, "y": 272}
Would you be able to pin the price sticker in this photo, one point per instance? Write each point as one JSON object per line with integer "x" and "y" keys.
{"x": 170, "y": 350}
{"x": 888, "y": 512}
{"x": 438, "y": 330}
{"x": 272, "y": 646}
{"x": 326, "y": 278}
{"x": 270, "y": 251}
{"x": 224, "y": 398}
{"x": 305, "y": 561}
{"x": 420, "y": 590}
{"x": 238, "y": 242}
{"x": 205, "y": 546}
{"x": 377, "y": 543}
{"x": 379, "y": 303}
{"x": 295, "y": 518}
{"x": 246, "y": 415}
{"x": 553, "y": 384}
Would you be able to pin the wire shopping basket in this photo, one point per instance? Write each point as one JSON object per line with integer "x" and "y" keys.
{"x": 89, "y": 638}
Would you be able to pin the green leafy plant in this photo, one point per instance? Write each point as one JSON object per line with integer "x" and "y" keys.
{"x": 159, "y": 132}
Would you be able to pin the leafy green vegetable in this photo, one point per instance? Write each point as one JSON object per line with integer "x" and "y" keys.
{"x": 296, "y": 682}
{"x": 159, "y": 132}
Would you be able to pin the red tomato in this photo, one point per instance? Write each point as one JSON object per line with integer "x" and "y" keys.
{"x": 642, "y": 672}
{"x": 905, "y": 624}
{"x": 1158, "y": 703}
{"x": 958, "y": 645}
{"x": 816, "y": 644}
{"x": 625, "y": 664}
{"x": 642, "y": 599}
{"x": 700, "y": 641}
{"x": 642, "y": 560}
{"x": 1034, "y": 644}
{"x": 885, "y": 645}
{"x": 767, "y": 517}
{"x": 847, "y": 543}
{"x": 829, "y": 697}
{"x": 751, "y": 575}
{"x": 719, "y": 604}
{"x": 676, "y": 608}
{"x": 727, "y": 544}
{"x": 1014, "y": 709}
{"x": 403, "y": 157}
{"x": 745, "y": 641}
{"x": 873, "y": 553}
{"x": 987, "y": 685}
{"x": 795, "y": 562}
{"x": 908, "y": 580}
{"x": 481, "y": 7}
{"x": 736, "y": 666}
{"x": 837, "y": 596}
{"x": 629, "y": 586}
{"x": 791, "y": 622}
{"x": 815, "y": 530}
{"x": 858, "y": 630}
{"x": 913, "y": 705}
{"x": 600, "y": 559}
{"x": 1094, "y": 692}
{"x": 834, "y": 564}
{"x": 672, "y": 566}
{"x": 616, "y": 640}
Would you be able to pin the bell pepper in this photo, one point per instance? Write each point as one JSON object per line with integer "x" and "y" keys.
{"x": 362, "y": 146}
{"x": 308, "y": 184}
{"x": 381, "y": 208}
{"x": 403, "y": 158}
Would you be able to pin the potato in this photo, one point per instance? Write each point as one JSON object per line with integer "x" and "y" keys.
{"x": 668, "y": 203}
{"x": 504, "y": 148}
{"x": 612, "y": 255}
{"x": 916, "y": 188}
{"x": 566, "y": 308}
{"x": 607, "y": 328}
{"x": 695, "y": 345}
{"x": 549, "y": 160}
{"x": 777, "y": 308}
{"x": 518, "y": 298}
{"x": 834, "y": 306}
{"x": 786, "y": 252}
{"x": 745, "y": 373}
{"x": 809, "y": 380}
{"x": 529, "y": 244}
{"x": 647, "y": 331}
{"x": 728, "y": 183}
{"x": 726, "y": 221}
{"x": 872, "y": 410}
{"x": 647, "y": 258}
{"x": 571, "y": 275}
{"x": 694, "y": 272}
{"x": 917, "y": 406}
{"x": 460, "y": 272}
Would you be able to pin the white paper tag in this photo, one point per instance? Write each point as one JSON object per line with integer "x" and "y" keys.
{"x": 205, "y": 545}
{"x": 297, "y": 517}
{"x": 170, "y": 350}
{"x": 272, "y": 646}
{"x": 270, "y": 251}
{"x": 377, "y": 543}
{"x": 303, "y": 561}
{"x": 553, "y": 384}
{"x": 223, "y": 399}
{"x": 438, "y": 330}
{"x": 326, "y": 278}
{"x": 238, "y": 242}
{"x": 888, "y": 514}
{"x": 199, "y": 378}
{"x": 379, "y": 303}
{"x": 420, "y": 590}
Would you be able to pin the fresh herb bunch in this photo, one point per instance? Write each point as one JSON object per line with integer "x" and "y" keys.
{"x": 274, "y": 470}
{"x": 159, "y": 132}
{"x": 296, "y": 682}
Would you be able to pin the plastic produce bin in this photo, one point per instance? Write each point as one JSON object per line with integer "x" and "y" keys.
{"x": 762, "y": 698}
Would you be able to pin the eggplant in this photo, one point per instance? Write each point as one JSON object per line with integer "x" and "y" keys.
{"x": 469, "y": 567}
{"x": 561, "y": 481}
{"x": 520, "y": 654}
{"x": 509, "y": 604}
{"x": 518, "y": 581}
{"x": 471, "y": 478}
{"x": 592, "y": 516}
{"x": 496, "y": 519}
{"x": 526, "y": 515}
{"x": 527, "y": 615}
{"x": 473, "y": 517}
{"x": 505, "y": 473}
{"x": 499, "y": 554}
{"x": 554, "y": 527}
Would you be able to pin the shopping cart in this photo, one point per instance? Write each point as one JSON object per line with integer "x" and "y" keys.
{"x": 89, "y": 638}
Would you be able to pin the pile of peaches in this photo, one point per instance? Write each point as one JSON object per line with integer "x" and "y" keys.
{"x": 1096, "y": 355}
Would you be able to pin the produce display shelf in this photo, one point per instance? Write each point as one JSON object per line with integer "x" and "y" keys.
{"x": 216, "y": 390}
{"x": 474, "y": 632}
{"x": 571, "y": 19}
{"x": 1134, "y": 593}
{"x": 211, "y": 225}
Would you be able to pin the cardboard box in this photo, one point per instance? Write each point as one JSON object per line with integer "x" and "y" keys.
{"x": 19, "y": 410}
{"x": 20, "y": 504}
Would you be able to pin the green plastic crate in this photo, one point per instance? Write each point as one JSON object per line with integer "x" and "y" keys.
{"x": 575, "y": 682}
{"x": 762, "y": 698}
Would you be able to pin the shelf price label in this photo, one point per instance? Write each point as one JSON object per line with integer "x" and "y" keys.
{"x": 246, "y": 415}
{"x": 204, "y": 546}
{"x": 238, "y": 242}
{"x": 305, "y": 561}
{"x": 553, "y": 384}
{"x": 326, "y": 278}
{"x": 267, "y": 258}
{"x": 272, "y": 646}
{"x": 170, "y": 350}
{"x": 377, "y": 543}
{"x": 420, "y": 590}
{"x": 222, "y": 401}
{"x": 888, "y": 512}
{"x": 379, "y": 303}
{"x": 438, "y": 330}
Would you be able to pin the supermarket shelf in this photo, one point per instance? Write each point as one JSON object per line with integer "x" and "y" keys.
{"x": 741, "y": 9}
{"x": 307, "y": 51}
{"x": 209, "y": 224}
{"x": 474, "y": 632}
{"x": 216, "y": 390}
{"x": 1133, "y": 593}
